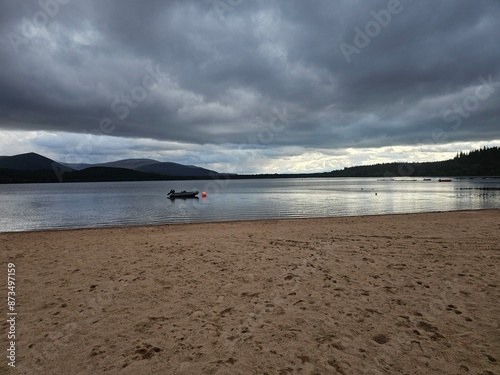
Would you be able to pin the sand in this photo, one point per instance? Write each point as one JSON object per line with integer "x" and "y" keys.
{"x": 394, "y": 294}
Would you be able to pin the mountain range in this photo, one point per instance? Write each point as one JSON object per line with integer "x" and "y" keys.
{"x": 150, "y": 166}
{"x": 32, "y": 167}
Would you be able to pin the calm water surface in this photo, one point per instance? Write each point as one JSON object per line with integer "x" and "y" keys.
{"x": 80, "y": 205}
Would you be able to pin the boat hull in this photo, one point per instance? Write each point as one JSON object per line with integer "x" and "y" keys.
{"x": 183, "y": 194}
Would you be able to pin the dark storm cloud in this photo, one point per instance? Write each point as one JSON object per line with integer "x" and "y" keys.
{"x": 216, "y": 71}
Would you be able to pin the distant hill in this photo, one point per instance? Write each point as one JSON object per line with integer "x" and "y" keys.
{"x": 152, "y": 166}
{"x": 483, "y": 162}
{"x": 30, "y": 162}
{"x": 32, "y": 167}
{"x": 174, "y": 169}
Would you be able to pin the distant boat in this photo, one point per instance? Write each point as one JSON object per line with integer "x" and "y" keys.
{"x": 183, "y": 194}
{"x": 444, "y": 180}
{"x": 427, "y": 179}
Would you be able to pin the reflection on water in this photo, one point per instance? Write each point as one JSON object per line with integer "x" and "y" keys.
{"x": 79, "y": 205}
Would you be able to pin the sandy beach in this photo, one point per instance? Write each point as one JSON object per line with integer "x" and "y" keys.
{"x": 394, "y": 294}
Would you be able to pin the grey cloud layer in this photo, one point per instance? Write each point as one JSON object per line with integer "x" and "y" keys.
{"x": 224, "y": 70}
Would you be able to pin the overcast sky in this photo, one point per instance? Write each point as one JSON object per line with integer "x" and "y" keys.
{"x": 249, "y": 86}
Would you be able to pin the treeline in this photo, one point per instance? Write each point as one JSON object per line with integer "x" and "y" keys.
{"x": 482, "y": 162}
{"x": 10, "y": 176}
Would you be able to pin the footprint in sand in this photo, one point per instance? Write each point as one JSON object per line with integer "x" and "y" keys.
{"x": 381, "y": 339}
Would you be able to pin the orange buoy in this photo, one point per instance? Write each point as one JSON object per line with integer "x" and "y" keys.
{"x": 203, "y": 195}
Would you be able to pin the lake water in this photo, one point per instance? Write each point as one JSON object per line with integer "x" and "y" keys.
{"x": 81, "y": 205}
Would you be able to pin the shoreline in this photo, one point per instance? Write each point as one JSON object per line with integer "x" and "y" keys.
{"x": 400, "y": 293}
{"x": 235, "y": 177}
{"x": 244, "y": 221}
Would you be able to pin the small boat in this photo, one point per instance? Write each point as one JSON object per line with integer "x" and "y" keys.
{"x": 183, "y": 194}
{"x": 427, "y": 179}
{"x": 444, "y": 180}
